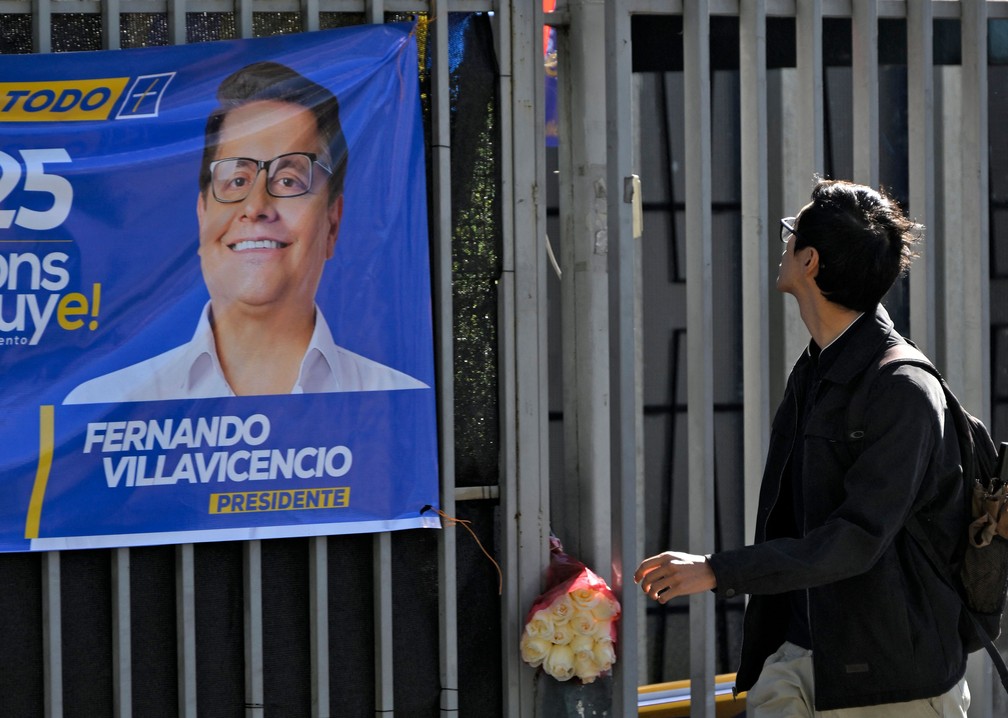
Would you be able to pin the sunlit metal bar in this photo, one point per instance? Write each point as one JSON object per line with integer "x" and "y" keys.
{"x": 757, "y": 231}
{"x": 624, "y": 411}
{"x": 921, "y": 149}
{"x": 699, "y": 338}
{"x": 522, "y": 330}
{"x": 865, "y": 79}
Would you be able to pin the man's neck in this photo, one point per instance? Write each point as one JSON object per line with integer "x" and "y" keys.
{"x": 826, "y": 320}
{"x": 261, "y": 354}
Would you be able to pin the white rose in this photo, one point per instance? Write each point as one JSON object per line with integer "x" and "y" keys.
{"x": 583, "y": 623}
{"x": 586, "y": 668}
{"x": 582, "y": 645}
{"x": 534, "y": 650}
{"x": 604, "y": 630}
{"x": 540, "y": 625}
{"x": 585, "y": 597}
{"x": 560, "y": 663}
{"x": 605, "y": 653}
{"x": 562, "y": 634}
{"x": 562, "y": 609}
{"x": 605, "y": 609}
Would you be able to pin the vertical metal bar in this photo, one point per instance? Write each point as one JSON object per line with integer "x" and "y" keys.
{"x": 52, "y": 636}
{"x": 949, "y": 177}
{"x": 809, "y": 102}
{"x": 519, "y": 553}
{"x": 110, "y": 24}
{"x": 622, "y": 351}
{"x": 244, "y": 10}
{"x": 920, "y": 149}
{"x": 584, "y": 291}
{"x": 254, "y": 695}
{"x": 122, "y": 666}
{"x": 975, "y": 319}
{"x": 805, "y": 102}
{"x": 318, "y": 609}
{"x": 865, "y": 78}
{"x": 699, "y": 340}
{"x": 374, "y": 11}
{"x": 522, "y": 327}
{"x": 177, "y": 22}
{"x": 185, "y": 619}
{"x": 41, "y": 26}
{"x": 971, "y": 328}
{"x": 310, "y": 15}
{"x": 384, "y": 673}
{"x": 442, "y": 296}
{"x": 756, "y": 232}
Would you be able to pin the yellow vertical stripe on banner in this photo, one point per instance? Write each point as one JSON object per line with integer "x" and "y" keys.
{"x": 46, "y": 433}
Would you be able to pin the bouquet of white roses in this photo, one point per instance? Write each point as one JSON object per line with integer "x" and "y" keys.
{"x": 571, "y": 629}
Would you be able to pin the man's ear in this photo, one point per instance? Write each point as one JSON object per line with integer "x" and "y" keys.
{"x": 811, "y": 261}
{"x": 200, "y": 206}
{"x": 335, "y": 217}
{"x": 200, "y": 211}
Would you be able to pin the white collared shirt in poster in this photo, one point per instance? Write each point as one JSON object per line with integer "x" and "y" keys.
{"x": 193, "y": 371}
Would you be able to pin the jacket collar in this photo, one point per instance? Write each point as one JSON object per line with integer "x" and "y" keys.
{"x": 869, "y": 336}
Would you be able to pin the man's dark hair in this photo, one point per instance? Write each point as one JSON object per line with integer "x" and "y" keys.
{"x": 264, "y": 81}
{"x": 863, "y": 238}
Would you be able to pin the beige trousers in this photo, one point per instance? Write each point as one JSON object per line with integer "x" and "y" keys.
{"x": 785, "y": 690}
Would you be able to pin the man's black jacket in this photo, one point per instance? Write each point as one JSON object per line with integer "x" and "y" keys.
{"x": 884, "y": 626}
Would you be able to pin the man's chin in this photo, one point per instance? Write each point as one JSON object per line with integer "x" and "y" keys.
{"x": 260, "y": 304}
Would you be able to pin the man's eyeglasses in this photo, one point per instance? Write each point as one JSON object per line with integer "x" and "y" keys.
{"x": 787, "y": 228}
{"x": 287, "y": 175}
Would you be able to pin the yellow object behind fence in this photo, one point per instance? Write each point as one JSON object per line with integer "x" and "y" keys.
{"x": 672, "y": 700}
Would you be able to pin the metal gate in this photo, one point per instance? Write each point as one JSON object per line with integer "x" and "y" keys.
{"x": 409, "y": 623}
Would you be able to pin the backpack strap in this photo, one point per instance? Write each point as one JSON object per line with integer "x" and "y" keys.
{"x": 899, "y": 355}
{"x": 896, "y": 355}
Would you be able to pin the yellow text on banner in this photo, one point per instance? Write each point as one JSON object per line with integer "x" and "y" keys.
{"x": 60, "y": 100}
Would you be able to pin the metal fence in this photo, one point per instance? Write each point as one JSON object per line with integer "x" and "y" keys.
{"x": 725, "y": 110}
{"x": 410, "y": 624}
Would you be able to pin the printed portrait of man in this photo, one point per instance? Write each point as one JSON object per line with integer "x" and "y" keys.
{"x": 269, "y": 208}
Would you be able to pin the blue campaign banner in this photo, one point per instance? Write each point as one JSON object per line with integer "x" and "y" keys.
{"x": 215, "y": 315}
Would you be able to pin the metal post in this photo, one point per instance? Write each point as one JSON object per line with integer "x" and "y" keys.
{"x": 442, "y": 292}
{"x": 185, "y": 612}
{"x": 921, "y": 148}
{"x": 52, "y": 636}
{"x": 122, "y": 665}
{"x": 757, "y": 230}
{"x": 699, "y": 340}
{"x": 584, "y": 248}
{"x": 522, "y": 331}
{"x": 254, "y": 695}
{"x": 622, "y": 352}
{"x": 865, "y": 79}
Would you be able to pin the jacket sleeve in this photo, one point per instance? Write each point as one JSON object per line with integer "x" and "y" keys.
{"x": 854, "y": 510}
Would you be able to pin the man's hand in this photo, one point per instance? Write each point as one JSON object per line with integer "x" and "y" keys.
{"x": 671, "y": 574}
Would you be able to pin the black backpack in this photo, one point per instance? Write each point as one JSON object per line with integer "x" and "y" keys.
{"x": 981, "y": 579}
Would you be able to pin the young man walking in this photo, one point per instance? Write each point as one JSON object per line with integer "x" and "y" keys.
{"x": 847, "y": 618}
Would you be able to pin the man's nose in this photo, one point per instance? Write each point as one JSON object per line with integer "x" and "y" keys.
{"x": 259, "y": 201}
